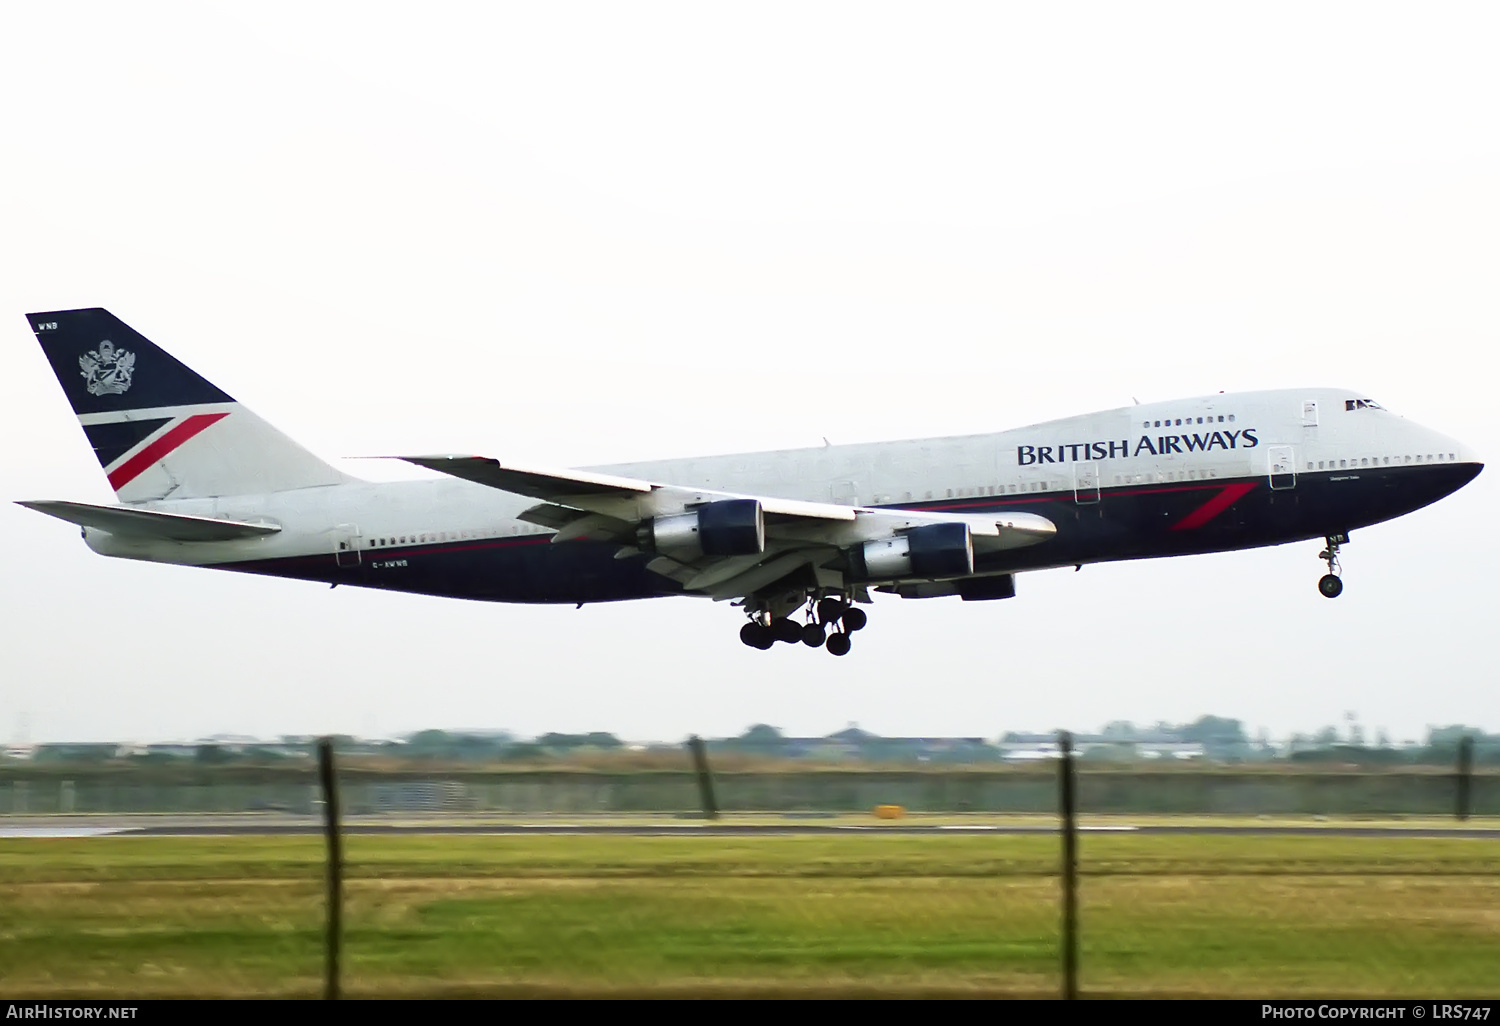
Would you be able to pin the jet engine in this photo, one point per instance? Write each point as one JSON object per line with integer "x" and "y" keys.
{"x": 729, "y": 527}
{"x": 936, "y": 550}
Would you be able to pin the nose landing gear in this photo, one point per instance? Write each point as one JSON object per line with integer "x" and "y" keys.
{"x": 1330, "y": 584}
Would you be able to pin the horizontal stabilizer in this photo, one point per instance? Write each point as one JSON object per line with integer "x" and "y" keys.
{"x": 128, "y": 522}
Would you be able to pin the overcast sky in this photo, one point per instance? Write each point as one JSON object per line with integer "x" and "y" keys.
{"x": 573, "y": 234}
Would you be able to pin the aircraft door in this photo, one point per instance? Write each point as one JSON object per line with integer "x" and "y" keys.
{"x": 844, "y": 493}
{"x": 1085, "y": 483}
{"x": 1283, "y": 467}
{"x": 346, "y": 545}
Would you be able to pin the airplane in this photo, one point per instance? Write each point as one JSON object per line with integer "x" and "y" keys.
{"x": 797, "y": 539}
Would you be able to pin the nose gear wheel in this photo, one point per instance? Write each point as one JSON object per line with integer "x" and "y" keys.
{"x": 1330, "y": 585}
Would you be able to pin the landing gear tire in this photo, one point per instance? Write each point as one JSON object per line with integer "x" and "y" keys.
{"x": 787, "y": 631}
{"x": 756, "y": 636}
{"x": 812, "y": 635}
{"x": 854, "y": 619}
{"x": 830, "y": 609}
{"x": 838, "y": 644}
{"x": 1330, "y": 586}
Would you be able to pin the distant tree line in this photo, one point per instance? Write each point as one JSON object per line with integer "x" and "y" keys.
{"x": 1213, "y": 738}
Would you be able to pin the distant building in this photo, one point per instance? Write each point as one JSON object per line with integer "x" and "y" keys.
{"x": 167, "y": 751}
{"x": 1031, "y": 747}
{"x": 833, "y": 748}
{"x": 855, "y": 745}
{"x": 80, "y": 752}
{"x": 422, "y": 796}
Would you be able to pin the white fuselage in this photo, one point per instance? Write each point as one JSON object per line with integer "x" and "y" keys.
{"x": 1219, "y": 437}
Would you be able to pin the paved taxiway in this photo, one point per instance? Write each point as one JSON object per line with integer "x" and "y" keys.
{"x": 238, "y": 826}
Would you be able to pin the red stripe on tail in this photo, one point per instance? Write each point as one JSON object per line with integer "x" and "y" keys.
{"x": 1227, "y": 497}
{"x": 159, "y": 449}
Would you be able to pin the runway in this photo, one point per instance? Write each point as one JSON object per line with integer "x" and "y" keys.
{"x": 243, "y": 826}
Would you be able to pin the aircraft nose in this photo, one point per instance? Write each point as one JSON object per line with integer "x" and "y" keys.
{"x": 1468, "y": 457}
{"x": 1469, "y": 464}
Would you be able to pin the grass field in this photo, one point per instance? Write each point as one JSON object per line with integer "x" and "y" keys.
{"x": 860, "y": 915}
{"x": 689, "y": 820}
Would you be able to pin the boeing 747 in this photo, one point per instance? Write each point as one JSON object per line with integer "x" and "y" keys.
{"x": 798, "y": 539}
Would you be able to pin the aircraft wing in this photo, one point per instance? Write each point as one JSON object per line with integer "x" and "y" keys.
{"x": 798, "y": 534}
{"x": 128, "y": 522}
{"x": 626, "y": 497}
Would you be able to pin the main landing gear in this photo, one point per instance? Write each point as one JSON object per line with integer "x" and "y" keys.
{"x": 1330, "y": 584}
{"x": 832, "y": 612}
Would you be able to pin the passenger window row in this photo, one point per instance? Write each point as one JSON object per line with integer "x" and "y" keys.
{"x": 419, "y": 539}
{"x": 1185, "y": 421}
{"x": 429, "y": 537}
{"x": 1383, "y": 461}
{"x": 1012, "y": 489}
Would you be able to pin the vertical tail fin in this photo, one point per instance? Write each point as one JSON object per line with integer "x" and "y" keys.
{"x": 159, "y": 429}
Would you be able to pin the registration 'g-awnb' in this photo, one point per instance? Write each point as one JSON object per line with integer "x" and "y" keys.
{"x": 799, "y": 539}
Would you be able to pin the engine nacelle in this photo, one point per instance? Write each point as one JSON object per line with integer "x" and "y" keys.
{"x": 970, "y": 589}
{"x": 982, "y": 589}
{"x": 936, "y": 550}
{"x": 729, "y": 527}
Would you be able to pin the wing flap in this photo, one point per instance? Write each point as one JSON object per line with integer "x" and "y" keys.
{"x": 788, "y": 510}
{"x": 128, "y": 522}
{"x": 990, "y": 531}
{"x": 550, "y": 515}
{"x": 759, "y": 576}
{"x": 679, "y": 572}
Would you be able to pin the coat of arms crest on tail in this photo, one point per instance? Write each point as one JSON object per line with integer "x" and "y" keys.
{"x": 107, "y": 369}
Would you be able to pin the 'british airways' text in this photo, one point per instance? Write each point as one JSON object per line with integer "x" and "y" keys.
{"x": 1158, "y": 446}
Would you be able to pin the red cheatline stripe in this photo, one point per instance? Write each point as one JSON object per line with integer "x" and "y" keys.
{"x": 151, "y": 454}
{"x": 1213, "y": 507}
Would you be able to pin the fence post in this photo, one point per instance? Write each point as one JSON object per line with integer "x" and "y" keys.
{"x": 1067, "y": 786}
{"x": 335, "y": 863}
{"x": 705, "y": 779}
{"x": 1465, "y": 774}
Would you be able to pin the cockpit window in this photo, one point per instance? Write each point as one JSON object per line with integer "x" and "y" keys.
{"x": 1362, "y": 404}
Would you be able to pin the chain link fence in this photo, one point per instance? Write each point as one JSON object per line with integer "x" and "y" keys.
{"x": 726, "y": 891}
{"x": 1207, "y": 792}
